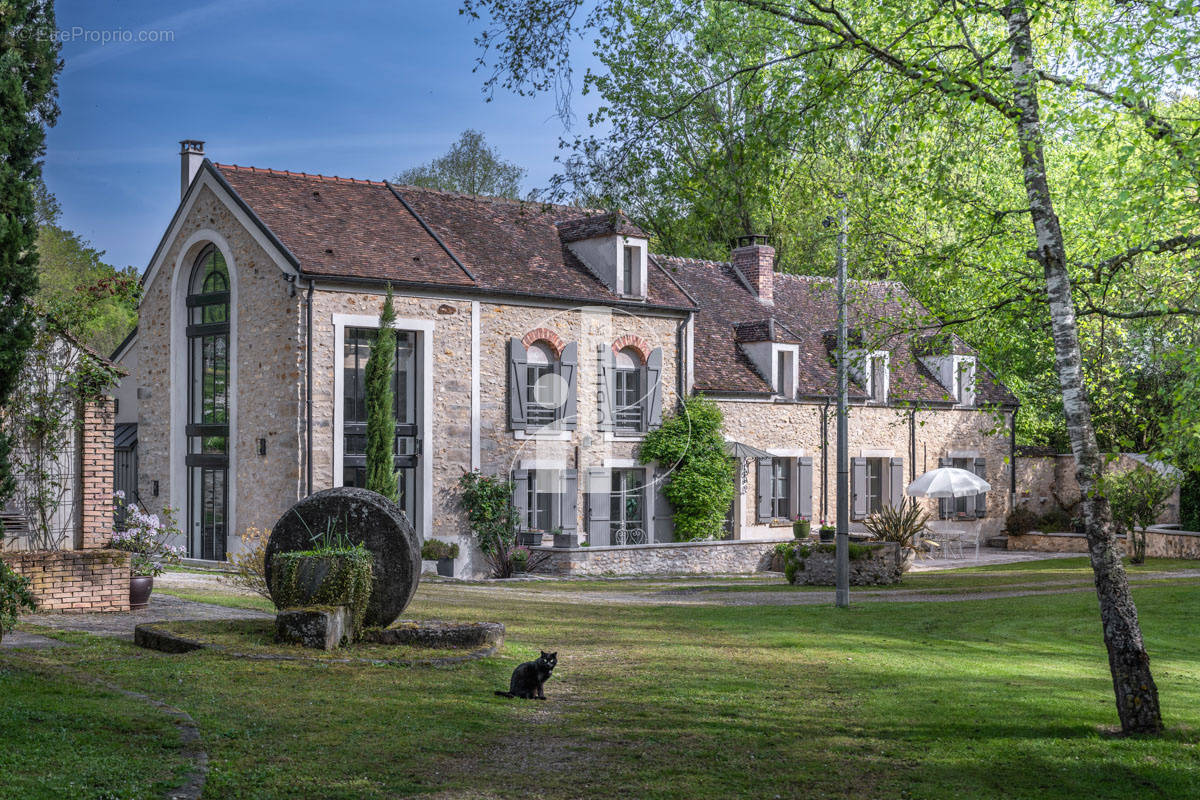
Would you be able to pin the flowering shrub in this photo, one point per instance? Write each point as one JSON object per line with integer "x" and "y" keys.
{"x": 146, "y": 537}
{"x": 250, "y": 565}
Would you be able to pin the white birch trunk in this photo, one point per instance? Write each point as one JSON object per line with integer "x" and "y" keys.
{"x": 1136, "y": 694}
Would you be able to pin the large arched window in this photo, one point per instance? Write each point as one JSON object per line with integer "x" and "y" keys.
{"x": 207, "y": 428}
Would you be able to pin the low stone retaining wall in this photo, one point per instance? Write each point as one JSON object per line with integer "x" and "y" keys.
{"x": 1160, "y": 543}
{"x": 671, "y": 558}
{"x": 75, "y": 580}
{"x": 881, "y": 566}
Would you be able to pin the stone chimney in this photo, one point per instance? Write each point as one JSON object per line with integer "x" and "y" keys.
{"x": 191, "y": 156}
{"x": 755, "y": 259}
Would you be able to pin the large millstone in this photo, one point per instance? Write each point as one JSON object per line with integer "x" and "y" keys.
{"x": 368, "y": 519}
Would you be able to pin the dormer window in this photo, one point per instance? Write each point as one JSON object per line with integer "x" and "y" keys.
{"x": 632, "y": 272}
{"x": 964, "y": 380}
{"x": 878, "y": 377}
{"x": 784, "y": 378}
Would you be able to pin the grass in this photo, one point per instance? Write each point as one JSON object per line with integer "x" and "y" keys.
{"x": 1004, "y": 698}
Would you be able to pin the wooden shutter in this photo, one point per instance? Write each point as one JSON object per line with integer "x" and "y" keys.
{"x": 664, "y": 515}
{"x": 858, "y": 488}
{"x": 981, "y": 498}
{"x": 764, "y": 489}
{"x": 654, "y": 370}
{"x": 895, "y": 482}
{"x": 599, "y": 485}
{"x": 568, "y": 516}
{"x": 520, "y": 479}
{"x": 945, "y": 504}
{"x": 804, "y": 482}
{"x": 569, "y": 365}
{"x": 606, "y": 387}
{"x": 518, "y": 377}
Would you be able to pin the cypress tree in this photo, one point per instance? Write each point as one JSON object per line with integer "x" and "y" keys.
{"x": 381, "y": 419}
{"x": 29, "y": 57}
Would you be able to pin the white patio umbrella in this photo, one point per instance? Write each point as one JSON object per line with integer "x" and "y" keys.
{"x": 948, "y": 482}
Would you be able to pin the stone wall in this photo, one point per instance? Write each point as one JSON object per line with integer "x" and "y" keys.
{"x": 267, "y": 336}
{"x": 1170, "y": 543}
{"x": 882, "y": 566}
{"x": 1038, "y": 542}
{"x": 77, "y": 581}
{"x": 1046, "y": 484}
{"x": 874, "y": 431}
{"x": 96, "y": 475}
{"x": 1160, "y": 543}
{"x": 679, "y": 558}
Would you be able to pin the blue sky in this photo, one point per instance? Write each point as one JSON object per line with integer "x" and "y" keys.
{"x": 358, "y": 89}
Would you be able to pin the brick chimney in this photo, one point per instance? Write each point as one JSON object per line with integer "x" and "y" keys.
{"x": 755, "y": 259}
{"x": 191, "y": 156}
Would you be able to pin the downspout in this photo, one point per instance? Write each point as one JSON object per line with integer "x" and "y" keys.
{"x": 825, "y": 459}
{"x": 912, "y": 444}
{"x": 308, "y": 389}
{"x": 1012, "y": 457}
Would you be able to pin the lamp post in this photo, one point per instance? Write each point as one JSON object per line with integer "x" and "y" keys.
{"x": 842, "y": 554}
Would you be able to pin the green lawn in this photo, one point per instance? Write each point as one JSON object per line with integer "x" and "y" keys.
{"x": 980, "y": 698}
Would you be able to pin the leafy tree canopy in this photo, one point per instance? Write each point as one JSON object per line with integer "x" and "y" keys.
{"x": 470, "y": 166}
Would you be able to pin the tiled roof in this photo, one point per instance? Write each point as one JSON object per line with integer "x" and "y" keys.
{"x": 806, "y": 308}
{"x": 764, "y": 330}
{"x": 598, "y": 224}
{"x": 346, "y": 228}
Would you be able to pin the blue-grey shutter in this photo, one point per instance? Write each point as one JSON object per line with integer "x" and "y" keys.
{"x": 858, "y": 488}
{"x": 654, "y": 369}
{"x": 896, "y": 482}
{"x": 518, "y": 376}
{"x": 606, "y": 387}
{"x": 981, "y": 498}
{"x": 664, "y": 515}
{"x": 945, "y": 504}
{"x": 520, "y": 479}
{"x": 569, "y": 365}
{"x": 599, "y": 484}
{"x": 568, "y": 518}
{"x": 764, "y": 489}
{"x": 804, "y": 482}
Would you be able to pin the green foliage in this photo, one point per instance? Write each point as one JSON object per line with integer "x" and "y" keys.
{"x": 1189, "y": 501}
{"x": 324, "y": 577}
{"x": 902, "y": 524}
{"x": 147, "y": 538}
{"x": 14, "y": 595}
{"x": 382, "y": 476}
{"x": 487, "y": 501}
{"x": 701, "y": 484}
{"x": 29, "y": 59}
{"x": 1137, "y": 497}
{"x": 93, "y": 300}
{"x": 433, "y": 549}
{"x": 469, "y": 167}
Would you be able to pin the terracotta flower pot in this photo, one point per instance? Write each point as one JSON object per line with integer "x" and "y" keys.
{"x": 140, "y": 587}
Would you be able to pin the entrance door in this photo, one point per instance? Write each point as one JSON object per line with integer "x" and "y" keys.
{"x": 405, "y": 380}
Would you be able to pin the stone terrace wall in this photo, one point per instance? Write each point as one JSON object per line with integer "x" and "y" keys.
{"x": 706, "y": 558}
{"x": 880, "y": 568}
{"x": 79, "y": 580}
{"x": 1160, "y": 543}
{"x": 1169, "y": 543}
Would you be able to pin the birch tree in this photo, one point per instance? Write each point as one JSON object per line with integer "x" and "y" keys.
{"x": 1046, "y": 75}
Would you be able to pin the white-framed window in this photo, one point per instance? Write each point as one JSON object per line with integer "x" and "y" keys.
{"x": 545, "y": 498}
{"x": 629, "y": 380}
{"x": 781, "y": 487}
{"x": 628, "y": 520}
{"x": 877, "y": 375}
{"x": 783, "y": 373}
{"x": 631, "y": 272}
{"x": 964, "y": 380}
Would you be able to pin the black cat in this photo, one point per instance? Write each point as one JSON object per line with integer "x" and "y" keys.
{"x": 529, "y": 678}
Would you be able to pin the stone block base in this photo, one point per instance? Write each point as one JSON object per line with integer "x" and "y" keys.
{"x": 882, "y": 566}
{"x": 79, "y": 581}
{"x": 319, "y": 628}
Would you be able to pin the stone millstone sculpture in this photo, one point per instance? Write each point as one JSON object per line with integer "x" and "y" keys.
{"x": 374, "y": 522}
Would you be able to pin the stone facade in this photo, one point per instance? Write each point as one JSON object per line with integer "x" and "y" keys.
{"x": 1046, "y": 484}
{"x": 795, "y": 429}
{"x": 678, "y": 558}
{"x": 267, "y": 357}
{"x": 77, "y": 581}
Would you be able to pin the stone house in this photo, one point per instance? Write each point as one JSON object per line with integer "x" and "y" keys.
{"x": 536, "y": 341}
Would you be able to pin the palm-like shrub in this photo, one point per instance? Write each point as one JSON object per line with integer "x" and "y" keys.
{"x": 903, "y": 524}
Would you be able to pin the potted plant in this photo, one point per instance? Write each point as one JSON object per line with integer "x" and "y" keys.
{"x": 519, "y": 558}
{"x": 826, "y": 532}
{"x": 146, "y": 538}
{"x": 443, "y": 553}
{"x": 14, "y": 595}
{"x": 902, "y": 524}
{"x": 801, "y": 527}
{"x": 530, "y": 538}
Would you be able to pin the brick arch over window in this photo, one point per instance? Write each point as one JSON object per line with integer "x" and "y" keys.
{"x": 552, "y": 340}
{"x": 635, "y": 343}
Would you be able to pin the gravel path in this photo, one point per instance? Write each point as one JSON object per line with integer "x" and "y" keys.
{"x": 163, "y": 608}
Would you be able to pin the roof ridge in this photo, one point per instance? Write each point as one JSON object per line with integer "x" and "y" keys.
{"x": 289, "y": 173}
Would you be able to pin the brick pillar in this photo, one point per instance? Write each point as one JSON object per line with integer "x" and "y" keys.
{"x": 96, "y": 473}
{"x": 757, "y": 263}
